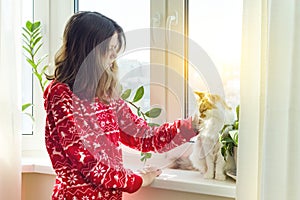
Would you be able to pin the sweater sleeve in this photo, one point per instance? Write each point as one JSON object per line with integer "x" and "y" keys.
{"x": 71, "y": 133}
{"x": 137, "y": 134}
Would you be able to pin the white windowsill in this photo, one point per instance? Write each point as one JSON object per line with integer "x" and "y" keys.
{"x": 170, "y": 179}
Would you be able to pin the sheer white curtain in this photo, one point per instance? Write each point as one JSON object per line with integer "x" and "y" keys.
{"x": 269, "y": 153}
{"x": 10, "y": 54}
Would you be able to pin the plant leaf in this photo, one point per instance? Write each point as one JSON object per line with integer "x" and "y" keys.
{"x": 126, "y": 94}
{"x": 30, "y": 115}
{"x": 26, "y": 105}
{"x": 153, "y": 113}
{"x": 29, "y": 26}
{"x": 36, "y": 25}
{"x": 31, "y": 63}
{"x": 36, "y": 41}
{"x": 153, "y": 124}
{"x": 237, "y": 111}
{"x": 27, "y": 50}
{"x": 139, "y": 94}
{"x": 139, "y": 111}
{"x": 26, "y": 31}
{"x": 26, "y": 39}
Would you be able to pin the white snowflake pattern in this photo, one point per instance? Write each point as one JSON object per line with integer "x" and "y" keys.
{"x": 122, "y": 122}
{"x": 61, "y": 197}
{"x": 162, "y": 138}
{"x": 99, "y": 171}
{"x": 96, "y": 125}
{"x": 67, "y": 107}
{"x": 72, "y": 129}
{"x": 85, "y": 198}
{"x": 55, "y": 115}
{"x": 103, "y": 155}
{"x": 74, "y": 198}
{"x": 94, "y": 106}
{"x": 72, "y": 179}
{"x": 85, "y": 123}
{"x": 61, "y": 174}
{"x": 96, "y": 145}
{"x": 83, "y": 108}
{"x": 106, "y": 194}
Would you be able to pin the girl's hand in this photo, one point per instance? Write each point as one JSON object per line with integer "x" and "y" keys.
{"x": 196, "y": 123}
{"x": 148, "y": 175}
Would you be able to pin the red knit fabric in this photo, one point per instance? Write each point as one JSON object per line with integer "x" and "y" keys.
{"x": 83, "y": 141}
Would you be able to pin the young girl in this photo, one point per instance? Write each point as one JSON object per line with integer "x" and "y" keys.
{"x": 87, "y": 121}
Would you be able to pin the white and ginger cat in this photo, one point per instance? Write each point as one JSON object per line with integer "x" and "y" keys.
{"x": 206, "y": 153}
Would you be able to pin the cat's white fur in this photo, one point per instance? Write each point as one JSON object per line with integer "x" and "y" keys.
{"x": 206, "y": 155}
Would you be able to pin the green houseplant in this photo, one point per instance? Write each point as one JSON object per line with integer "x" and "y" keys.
{"x": 32, "y": 43}
{"x": 152, "y": 113}
{"x": 229, "y": 136}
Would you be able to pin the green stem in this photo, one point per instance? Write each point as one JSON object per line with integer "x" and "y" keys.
{"x": 138, "y": 108}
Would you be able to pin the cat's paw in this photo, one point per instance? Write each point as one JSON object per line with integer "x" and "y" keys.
{"x": 208, "y": 175}
{"x": 220, "y": 177}
{"x": 202, "y": 169}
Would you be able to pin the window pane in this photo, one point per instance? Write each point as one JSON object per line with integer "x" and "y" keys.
{"x": 216, "y": 26}
{"x": 134, "y": 64}
{"x": 27, "y": 14}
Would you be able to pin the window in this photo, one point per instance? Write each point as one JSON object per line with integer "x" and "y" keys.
{"x": 180, "y": 16}
{"x": 211, "y": 27}
{"x": 216, "y": 27}
{"x": 27, "y": 93}
{"x": 134, "y": 63}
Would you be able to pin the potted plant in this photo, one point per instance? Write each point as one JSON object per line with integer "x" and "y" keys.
{"x": 229, "y": 137}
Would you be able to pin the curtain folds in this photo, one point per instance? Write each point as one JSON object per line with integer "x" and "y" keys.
{"x": 269, "y": 153}
{"x": 281, "y": 153}
{"x": 10, "y": 136}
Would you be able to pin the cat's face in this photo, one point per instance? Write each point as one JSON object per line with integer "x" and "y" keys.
{"x": 206, "y": 102}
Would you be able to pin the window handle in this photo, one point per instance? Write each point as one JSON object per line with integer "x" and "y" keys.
{"x": 172, "y": 20}
{"x": 156, "y": 22}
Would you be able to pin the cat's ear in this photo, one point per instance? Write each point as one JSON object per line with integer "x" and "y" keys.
{"x": 200, "y": 94}
{"x": 214, "y": 98}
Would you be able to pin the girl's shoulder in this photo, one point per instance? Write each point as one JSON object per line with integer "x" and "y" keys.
{"x": 57, "y": 89}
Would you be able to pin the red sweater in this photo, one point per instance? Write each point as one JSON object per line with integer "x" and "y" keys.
{"x": 83, "y": 141}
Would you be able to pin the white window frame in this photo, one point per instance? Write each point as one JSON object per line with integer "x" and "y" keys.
{"x": 53, "y": 15}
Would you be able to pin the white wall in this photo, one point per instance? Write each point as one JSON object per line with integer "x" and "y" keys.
{"x": 37, "y": 186}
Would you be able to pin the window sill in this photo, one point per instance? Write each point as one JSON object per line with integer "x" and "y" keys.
{"x": 193, "y": 181}
{"x": 170, "y": 179}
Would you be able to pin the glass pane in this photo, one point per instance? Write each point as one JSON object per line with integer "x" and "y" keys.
{"x": 134, "y": 63}
{"x": 27, "y": 14}
{"x": 215, "y": 27}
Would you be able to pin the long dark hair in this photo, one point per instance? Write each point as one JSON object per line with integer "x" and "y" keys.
{"x": 78, "y": 62}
